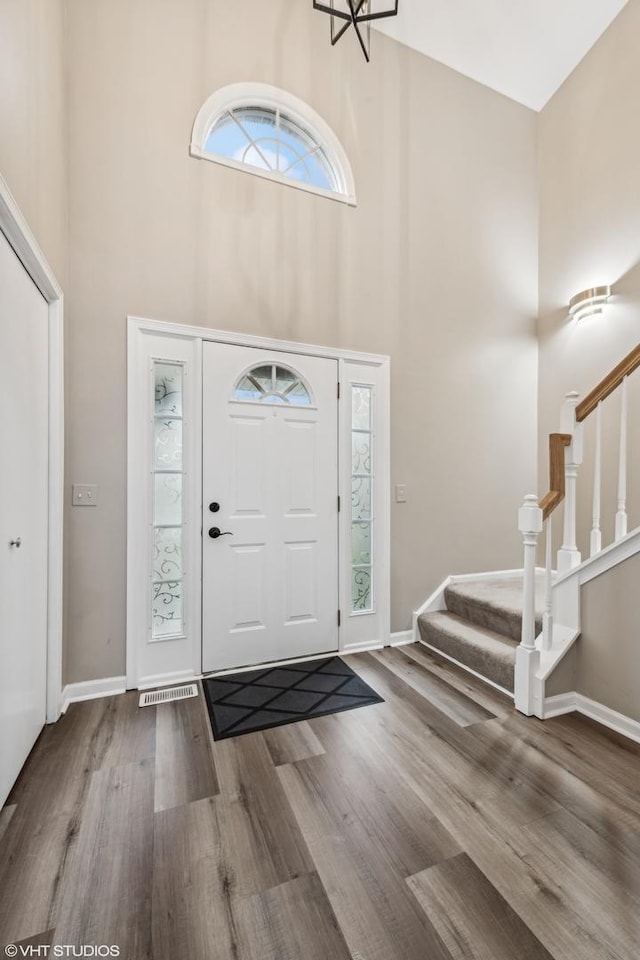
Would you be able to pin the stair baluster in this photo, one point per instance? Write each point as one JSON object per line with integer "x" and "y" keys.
{"x": 569, "y": 556}
{"x": 547, "y": 618}
{"x": 595, "y": 545}
{"x": 621, "y": 515}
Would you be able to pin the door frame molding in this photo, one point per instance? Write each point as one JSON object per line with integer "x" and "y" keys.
{"x": 17, "y": 231}
{"x": 139, "y": 328}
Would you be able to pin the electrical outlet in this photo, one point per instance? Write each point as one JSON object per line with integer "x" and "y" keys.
{"x": 85, "y": 495}
{"x": 401, "y": 493}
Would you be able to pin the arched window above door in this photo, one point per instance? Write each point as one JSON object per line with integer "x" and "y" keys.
{"x": 272, "y": 383}
{"x": 270, "y": 133}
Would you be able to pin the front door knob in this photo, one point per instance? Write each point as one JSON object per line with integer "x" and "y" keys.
{"x": 16, "y": 543}
{"x": 216, "y": 532}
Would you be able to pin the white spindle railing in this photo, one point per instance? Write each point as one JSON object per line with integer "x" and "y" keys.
{"x": 596, "y": 533}
{"x": 621, "y": 515}
{"x": 561, "y": 612}
{"x": 569, "y": 556}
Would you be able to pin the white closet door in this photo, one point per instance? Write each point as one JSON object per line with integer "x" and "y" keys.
{"x": 270, "y": 521}
{"x": 24, "y": 346}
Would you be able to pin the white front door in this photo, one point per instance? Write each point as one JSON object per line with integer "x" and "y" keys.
{"x": 24, "y": 345}
{"x": 270, "y": 506}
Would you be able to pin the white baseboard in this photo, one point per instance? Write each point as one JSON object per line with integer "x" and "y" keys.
{"x": 558, "y": 705}
{"x": 92, "y": 689}
{"x": 575, "y": 702}
{"x": 467, "y": 669}
{"x": 401, "y": 638}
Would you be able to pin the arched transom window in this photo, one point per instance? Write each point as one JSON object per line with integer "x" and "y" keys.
{"x": 272, "y": 383}
{"x": 268, "y": 132}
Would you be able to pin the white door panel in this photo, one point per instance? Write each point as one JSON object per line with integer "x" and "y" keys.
{"x": 270, "y": 580}
{"x": 23, "y": 514}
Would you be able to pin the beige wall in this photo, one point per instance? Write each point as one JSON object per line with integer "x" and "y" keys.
{"x": 608, "y": 655}
{"x": 605, "y": 663}
{"x": 33, "y": 141}
{"x": 437, "y": 266}
{"x": 590, "y": 234}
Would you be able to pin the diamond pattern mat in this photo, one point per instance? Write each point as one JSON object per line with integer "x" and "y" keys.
{"x": 271, "y": 696}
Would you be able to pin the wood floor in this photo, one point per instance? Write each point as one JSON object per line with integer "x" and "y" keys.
{"x": 439, "y": 825}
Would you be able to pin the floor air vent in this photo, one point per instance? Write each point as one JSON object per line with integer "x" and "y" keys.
{"x": 155, "y": 697}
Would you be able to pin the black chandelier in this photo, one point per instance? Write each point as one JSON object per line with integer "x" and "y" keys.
{"x": 354, "y": 13}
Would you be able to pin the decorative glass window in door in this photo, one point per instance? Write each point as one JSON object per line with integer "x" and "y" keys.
{"x": 168, "y": 511}
{"x": 361, "y": 499}
{"x": 272, "y": 383}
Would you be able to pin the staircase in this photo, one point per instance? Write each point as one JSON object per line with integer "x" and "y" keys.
{"x": 481, "y": 625}
{"x": 512, "y": 628}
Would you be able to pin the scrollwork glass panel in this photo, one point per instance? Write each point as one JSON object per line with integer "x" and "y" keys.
{"x": 168, "y": 499}
{"x": 168, "y": 389}
{"x": 167, "y": 553}
{"x": 168, "y": 514}
{"x": 167, "y": 608}
{"x": 360, "y": 498}
{"x": 361, "y": 589}
{"x": 360, "y": 543}
{"x": 361, "y": 453}
{"x": 168, "y": 444}
{"x": 362, "y": 480}
{"x": 361, "y": 408}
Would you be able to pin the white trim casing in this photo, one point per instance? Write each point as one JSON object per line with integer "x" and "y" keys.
{"x": 369, "y": 629}
{"x": 153, "y": 661}
{"x": 262, "y": 94}
{"x": 147, "y": 664}
{"x": 18, "y": 233}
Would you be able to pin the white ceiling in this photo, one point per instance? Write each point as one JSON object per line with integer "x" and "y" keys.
{"x": 525, "y": 49}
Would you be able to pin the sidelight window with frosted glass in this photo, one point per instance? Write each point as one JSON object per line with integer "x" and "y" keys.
{"x": 362, "y": 479}
{"x": 168, "y": 511}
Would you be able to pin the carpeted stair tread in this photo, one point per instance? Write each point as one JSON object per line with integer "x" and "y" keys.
{"x": 495, "y": 604}
{"x": 488, "y": 653}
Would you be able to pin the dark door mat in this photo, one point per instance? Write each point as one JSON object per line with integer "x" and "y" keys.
{"x": 271, "y": 696}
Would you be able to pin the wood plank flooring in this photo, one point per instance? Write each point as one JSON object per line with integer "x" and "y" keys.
{"x": 439, "y": 825}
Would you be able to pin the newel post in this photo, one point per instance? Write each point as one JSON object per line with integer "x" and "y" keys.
{"x": 526, "y": 693}
{"x": 568, "y": 555}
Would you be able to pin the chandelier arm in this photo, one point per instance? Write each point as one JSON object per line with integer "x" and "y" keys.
{"x": 331, "y": 11}
{"x": 366, "y": 17}
{"x": 361, "y": 41}
{"x": 341, "y": 32}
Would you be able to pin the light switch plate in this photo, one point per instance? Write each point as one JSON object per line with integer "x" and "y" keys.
{"x": 401, "y": 493}
{"x": 85, "y": 495}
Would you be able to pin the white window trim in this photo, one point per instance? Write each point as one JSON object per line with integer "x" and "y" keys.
{"x": 261, "y": 94}
{"x": 16, "y": 229}
{"x": 170, "y": 662}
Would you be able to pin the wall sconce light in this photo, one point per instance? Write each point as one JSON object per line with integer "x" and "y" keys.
{"x": 589, "y": 302}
